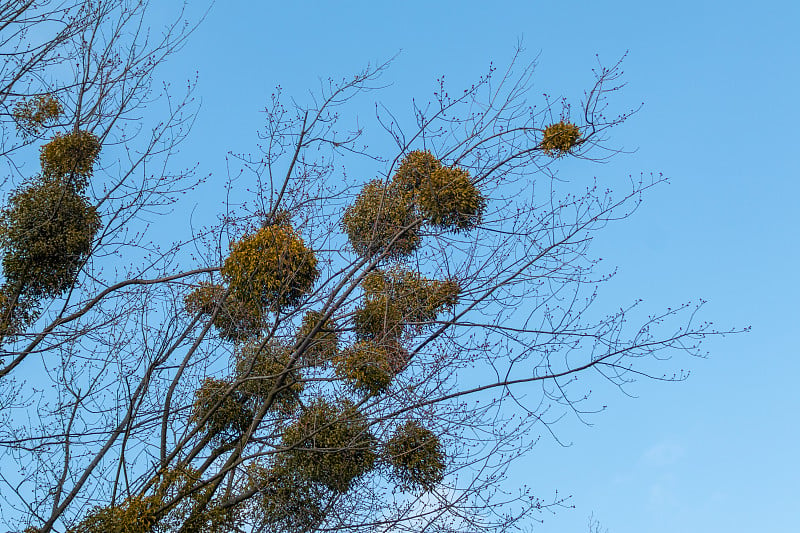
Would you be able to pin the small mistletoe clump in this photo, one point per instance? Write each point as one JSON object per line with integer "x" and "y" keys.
{"x": 235, "y": 320}
{"x": 228, "y": 414}
{"x": 34, "y": 114}
{"x": 329, "y": 444}
{"x": 559, "y": 138}
{"x": 401, "y": 297}
{"x": 16, "y": 312}
{"x": 324, "y": 344}
{"x": 449, "y": 200}
{"x": 422, "y": 299}
{"x": 287, "y": 502}
{"x": 381, "y": 221}
{"x": 271, "y": 268}
{"x": 196, "y": 510}
{"x": 378, "y": 318}
{"x": 136, "y": 514}
{"x": 71, "y": 155}
{"x": 371, "y": 366}
{"x": 145, "y": 514}
{"x": 416, "y": 457}
{"x": 259, "y": 365}
{"x": 47, "y": 232}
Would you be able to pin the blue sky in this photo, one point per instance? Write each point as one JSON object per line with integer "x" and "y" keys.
{"x": 719, "y": 85}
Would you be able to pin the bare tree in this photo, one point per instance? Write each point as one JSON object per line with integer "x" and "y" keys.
{"x": 76, "y": 76}
{"x": 330, "y": 354}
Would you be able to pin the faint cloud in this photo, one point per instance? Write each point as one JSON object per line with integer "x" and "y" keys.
{"x": 663, "y": 454}
{"x": 663, "y": 493}
{"x": 658, "y": 464}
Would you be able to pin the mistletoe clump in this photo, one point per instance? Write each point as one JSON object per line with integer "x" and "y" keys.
{"x": 324, "y": 344}
{"x": 196, "y": 510}
{"x": 371, "y": 366}
{"x": 220, "y": 411}
{"x": 329, "y": 444}
{"x": 399, "y": 297}
{"x": 382, "y": 221}
{"x": 444, "y": 196}
{"x": 146, "y": 514}
{"x": 259, "y": 365}
{"x": 71, "y": 155}
{"x": 235, "y": 320}
{"x": 136, "y": 514}
{"x": 271, "y": 268}
{"x": 378, "y": 318}
{"x": 559, "y": 138}
{"x": 34, "y": 114}
{"x": 47, "y": 232}
{"x": 416, "y": 169}
{"x": 287, "y": 501}
{"x": 16, "y": 312}
{"x": 450, "y": 200}
{"x": 416, "y": 457}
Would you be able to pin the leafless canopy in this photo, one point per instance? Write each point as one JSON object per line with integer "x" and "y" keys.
{"x": 207, "y": 385}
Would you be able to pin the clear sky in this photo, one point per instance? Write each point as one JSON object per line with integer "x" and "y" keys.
{"x": 719, "y": 82}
